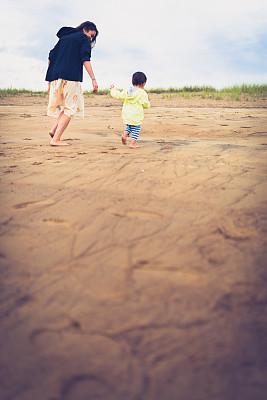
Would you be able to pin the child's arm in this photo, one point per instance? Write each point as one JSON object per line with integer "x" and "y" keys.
{"x": 146, "y": 104}
{"x": 117, "y": 94}
{"x": 144, "y": 100}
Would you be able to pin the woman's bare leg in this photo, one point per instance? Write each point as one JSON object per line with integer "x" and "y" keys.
{"x": 62, "y": 123}
{"x": 54, "y": 128}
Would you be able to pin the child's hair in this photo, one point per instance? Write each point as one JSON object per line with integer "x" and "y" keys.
{"x": 138, "y": 79}
{"x": 88, "y": 26}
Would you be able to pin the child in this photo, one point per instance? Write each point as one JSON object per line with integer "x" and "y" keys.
{"x": 65, "y": 74}
{"x": 135, "y": 99}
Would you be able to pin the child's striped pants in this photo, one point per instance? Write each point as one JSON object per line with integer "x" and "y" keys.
{"x": 134, "y": 130}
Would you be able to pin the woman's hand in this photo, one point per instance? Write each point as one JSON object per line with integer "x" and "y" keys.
{"x": 95, "y": 86}
{"x": 89, "y": 69}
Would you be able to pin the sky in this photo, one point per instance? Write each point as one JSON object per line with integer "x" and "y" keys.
{"x": 175, "y": 43}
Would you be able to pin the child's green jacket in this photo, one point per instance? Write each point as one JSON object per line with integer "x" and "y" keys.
{"x": 135, "y": 100}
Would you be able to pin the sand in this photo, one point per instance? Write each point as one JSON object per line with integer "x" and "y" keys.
{"x": 134, "y": 274}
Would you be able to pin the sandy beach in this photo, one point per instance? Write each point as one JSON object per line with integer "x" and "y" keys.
{"x": 134, "y": 274}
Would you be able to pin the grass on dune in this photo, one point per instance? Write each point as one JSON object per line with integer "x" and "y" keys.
{"x": 21, "y": 92}
{"x": 236, "y": 92}
{"x": 31, "y": 93}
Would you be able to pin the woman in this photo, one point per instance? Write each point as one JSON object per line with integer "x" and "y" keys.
{"x": 65, "y": 74}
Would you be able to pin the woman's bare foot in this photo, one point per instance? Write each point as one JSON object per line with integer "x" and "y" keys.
{"x": 51, "y": 134}
{"x": 58, "y": 143}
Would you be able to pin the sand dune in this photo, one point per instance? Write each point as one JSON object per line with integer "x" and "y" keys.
{"x": 134, "y": 274}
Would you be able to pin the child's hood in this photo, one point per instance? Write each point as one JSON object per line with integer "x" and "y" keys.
{"x": 133, "y": 94}
{"x": 66, "y": 30}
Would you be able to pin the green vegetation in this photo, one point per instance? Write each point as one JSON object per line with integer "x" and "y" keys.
{"x": 237, "y": 92}
{"x": 241, "y": 92}
{"x": 21, "y": 92}
{"x": 86, "y": 93}
{"x": 185, "y": 89}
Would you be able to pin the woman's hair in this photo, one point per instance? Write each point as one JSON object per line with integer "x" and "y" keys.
{"x": 138, "y": 79}
{"x": 88, "y": 26}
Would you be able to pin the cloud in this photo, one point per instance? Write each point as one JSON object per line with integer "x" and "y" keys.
{"x": 174, "y": 42}
{"x": 22, "y": 72}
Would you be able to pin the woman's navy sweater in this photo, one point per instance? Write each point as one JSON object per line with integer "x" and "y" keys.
{"x": 68, "y": 55}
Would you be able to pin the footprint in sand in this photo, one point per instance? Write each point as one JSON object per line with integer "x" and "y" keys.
{"x": 69, "y": 325}
{"x": 229, "y": 231}
{"x": 136, "y": 213}
{"x": 79, "y": 385}
{"x": 34, "y": 203}
{"x": 26, "y": 115}
{"x": 57, "y": 221}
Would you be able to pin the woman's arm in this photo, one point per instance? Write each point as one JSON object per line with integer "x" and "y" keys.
{"x": 89, "y": 69}
{"x": 48, "y": 87}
